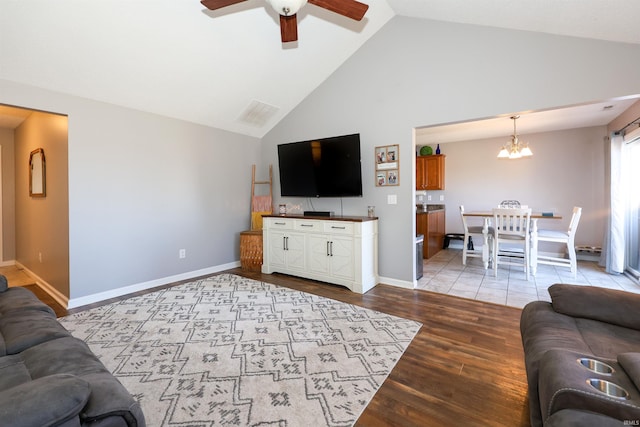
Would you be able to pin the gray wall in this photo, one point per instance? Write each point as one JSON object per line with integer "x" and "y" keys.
{"x": 477, "y": 179}
{"x": 416, "y": 73}
{"x": 141, "y": 187}
{"x": 42, "y": 223}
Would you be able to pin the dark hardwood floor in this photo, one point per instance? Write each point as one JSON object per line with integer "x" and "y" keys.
{"x": 465, "y": 366}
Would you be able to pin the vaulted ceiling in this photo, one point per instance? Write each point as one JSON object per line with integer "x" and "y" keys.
{"x": 228, "y": 69}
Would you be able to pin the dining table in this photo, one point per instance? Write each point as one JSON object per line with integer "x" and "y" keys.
{"x": 535, "y": 216}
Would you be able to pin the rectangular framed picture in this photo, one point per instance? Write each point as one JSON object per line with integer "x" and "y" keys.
{"x": 387, "y": 165}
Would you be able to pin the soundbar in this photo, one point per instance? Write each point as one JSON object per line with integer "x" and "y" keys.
{"x": 318, "y": 213}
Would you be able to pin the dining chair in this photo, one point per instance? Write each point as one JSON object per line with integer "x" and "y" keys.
{"x": 511, "y": 228}
{"x": 509, "y": 204}
{"x": 564, "y": 238}
{"x": 468, "y": 249}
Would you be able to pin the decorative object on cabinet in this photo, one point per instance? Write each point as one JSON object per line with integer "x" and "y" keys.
{"x": 426, "y": 150}
{"x": 430, "y": 172}
{"x": 37, "y": 174}
{"x": 387, "y": 165}
{"x": 438, "y": 149}
{"x": 343, "y": 251}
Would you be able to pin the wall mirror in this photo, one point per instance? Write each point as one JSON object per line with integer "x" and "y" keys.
{"x": 37, "y": 175}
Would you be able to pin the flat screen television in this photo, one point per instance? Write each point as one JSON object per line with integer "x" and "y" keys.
{"x": 328, "y": 167}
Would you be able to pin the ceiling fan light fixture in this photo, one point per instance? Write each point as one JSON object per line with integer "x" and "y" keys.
{"x": 287, "y": 7}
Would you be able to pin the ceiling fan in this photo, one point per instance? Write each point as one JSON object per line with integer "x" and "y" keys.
{"x": 287, "y": 9}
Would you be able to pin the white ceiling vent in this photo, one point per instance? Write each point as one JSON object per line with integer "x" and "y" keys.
{"x": 258, "y": 113}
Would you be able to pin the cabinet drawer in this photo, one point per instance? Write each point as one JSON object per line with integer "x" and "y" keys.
{"x": 307, "y": 225}
{"x": 279, "y": 223}
{"x": 338, "y": 227}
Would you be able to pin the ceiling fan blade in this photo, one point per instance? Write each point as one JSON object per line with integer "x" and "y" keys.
{"x": 288, "y": 28}
{"x": 350, "y": 8}
{"x": 218, "y": 4}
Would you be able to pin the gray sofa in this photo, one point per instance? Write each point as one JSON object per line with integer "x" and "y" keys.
{"x": 582, "y": 356}
{"x": 48, "y": 377}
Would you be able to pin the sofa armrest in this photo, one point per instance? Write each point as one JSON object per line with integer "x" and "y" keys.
{"x": 44, "y": 402}
{"x": 581, "y": 418}
{"x": 606, "y": 305}
{"x": 630, "y": 362}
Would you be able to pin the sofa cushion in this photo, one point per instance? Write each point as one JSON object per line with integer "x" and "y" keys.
{"x": 48, "y": 401}
{"x": 630, "y": 362}
{"x": 589, "y": 302}
{"x": 70, "y": 355}
{"x": 607, "y": 340}
{"x": 20, "y": 299}
{"x": 12, "y": 372}
{"x": 26, "y": 328}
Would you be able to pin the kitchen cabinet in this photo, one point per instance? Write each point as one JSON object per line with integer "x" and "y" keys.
{"x": 430, "y": 172}
{"x": 430, "y": 223}
{"x": 339, "y": 250}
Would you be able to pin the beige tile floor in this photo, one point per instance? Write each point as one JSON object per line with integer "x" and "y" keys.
{"x": 444, "y": 273}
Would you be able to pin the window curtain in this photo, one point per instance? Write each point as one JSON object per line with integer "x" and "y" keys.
{"x": 613, "y": 248}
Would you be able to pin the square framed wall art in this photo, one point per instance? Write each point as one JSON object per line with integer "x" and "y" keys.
{"x": 387, "y": 165}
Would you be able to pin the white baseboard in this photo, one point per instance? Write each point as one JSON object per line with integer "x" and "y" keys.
{"x": 7, "y": 263}
{"x": 395, "y": 282}
{"x": 115, "y": 293}
{"x": 44, "y": 285}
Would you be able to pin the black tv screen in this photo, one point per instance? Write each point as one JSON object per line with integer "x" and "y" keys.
{"x": 328, "y": 167}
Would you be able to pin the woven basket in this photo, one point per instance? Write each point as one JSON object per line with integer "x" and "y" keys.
{"x": 251, "y": 250}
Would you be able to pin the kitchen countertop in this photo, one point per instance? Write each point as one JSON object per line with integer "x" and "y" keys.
{"x": 428, "y": 208}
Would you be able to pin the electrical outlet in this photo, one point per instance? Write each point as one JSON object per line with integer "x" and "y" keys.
{"x": 182, "y": 253}
{"x": 429, "y": 198}
{"x": 442, "y": 197}
{"x": 392, "y": 199}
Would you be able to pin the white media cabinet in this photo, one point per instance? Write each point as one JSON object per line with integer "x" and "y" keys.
{"x": 339, "y": 250}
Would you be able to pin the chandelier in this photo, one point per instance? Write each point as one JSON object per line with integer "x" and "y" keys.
{"x": 516, "y": 148}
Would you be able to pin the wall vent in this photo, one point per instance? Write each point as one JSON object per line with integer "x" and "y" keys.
{"x": 258, "y": 113}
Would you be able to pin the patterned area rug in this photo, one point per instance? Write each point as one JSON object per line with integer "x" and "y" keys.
{"x": 228, "y": 350}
